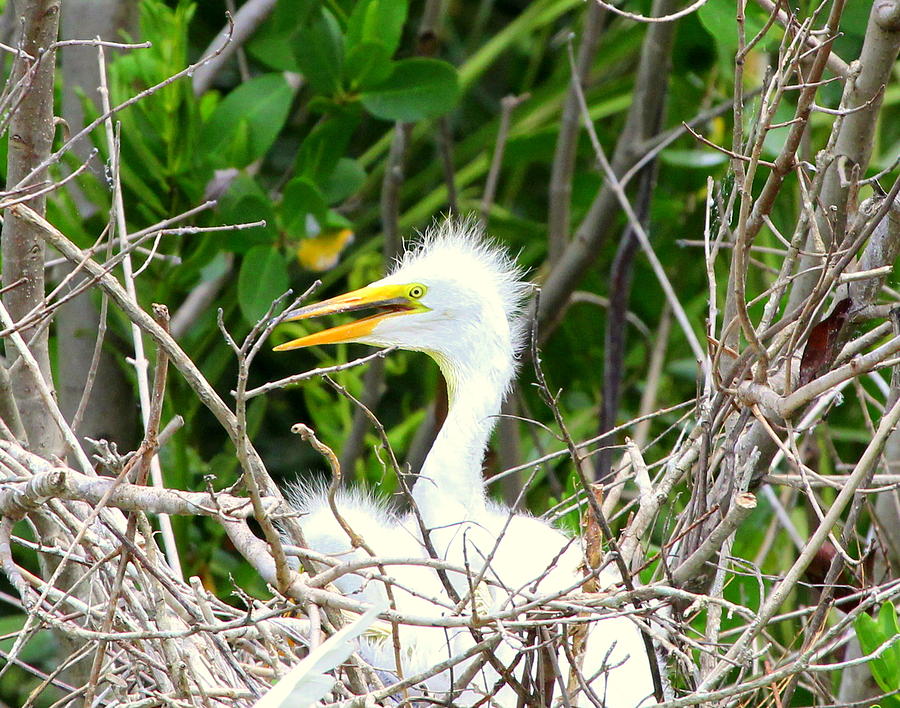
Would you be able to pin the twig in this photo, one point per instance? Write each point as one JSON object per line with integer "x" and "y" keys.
{"x": 314, "y": 373}
{"x": 507, "y": 106}
{"x": 43, "y": 390}
{"x": 139, "y": 361}
{"x": 661, "y": 276}
{"x": 693, "y": 7}
{"x": 617, "y": 557}
{"x": 563, "y": 167}
{"x": 862, "y": 468}
{"x": 233, "y": 36}
{"x": 743, "y": 505}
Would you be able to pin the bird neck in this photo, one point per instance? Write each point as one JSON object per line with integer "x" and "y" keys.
{"x": 450, "y": 488}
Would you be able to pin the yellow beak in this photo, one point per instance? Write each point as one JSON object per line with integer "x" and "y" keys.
{"x": 391, "y": 298}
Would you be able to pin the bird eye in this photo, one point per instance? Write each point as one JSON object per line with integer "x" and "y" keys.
{"x": 416, "y": 291}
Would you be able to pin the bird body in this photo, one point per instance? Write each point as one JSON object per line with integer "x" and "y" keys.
{"x": 458, "y": 298}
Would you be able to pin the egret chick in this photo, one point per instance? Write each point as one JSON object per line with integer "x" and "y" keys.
{"x": 458, "y": 298}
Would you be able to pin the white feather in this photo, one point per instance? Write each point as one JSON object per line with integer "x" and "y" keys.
{"x": 474, "y": 329}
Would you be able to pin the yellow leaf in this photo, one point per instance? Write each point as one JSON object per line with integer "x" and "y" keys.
{"x": 322, "y": 252}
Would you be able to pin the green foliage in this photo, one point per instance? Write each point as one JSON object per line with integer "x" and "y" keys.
{"x": 717, "y": 17}
{"x": 262, "y": 279}
{"x": 243, "y": 127}
{"x": 414, "y": 90}
{"x": 873, "y": 634}
{"x": 273, "y": 43}
{"x": 377, "y": 22}
{"x": 320, "y": 53}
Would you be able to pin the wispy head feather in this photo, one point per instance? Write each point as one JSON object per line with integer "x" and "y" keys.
{"x": 460, "y": 245}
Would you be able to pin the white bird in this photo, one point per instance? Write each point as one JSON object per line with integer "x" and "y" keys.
{"x": 458, "y": 298}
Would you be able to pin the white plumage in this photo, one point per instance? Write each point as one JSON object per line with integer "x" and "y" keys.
{"x": 458, "y": 298}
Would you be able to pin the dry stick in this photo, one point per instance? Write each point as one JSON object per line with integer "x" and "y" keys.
{"x": 883, "y": 245}
{"x": 64, "y": 483}
{"x": 192, "y": 375}
{"x": 693, "y": 7}
{"x": 593, "y": 504}
{"x": 36, "y": 190}
{"x": 620, "y": 281}
{"x": 743, "y": 505}
{"x": 784, "y": 163}
{"x": 255, "y": 478}
{"x": 866, "y": 463}
{"x": 42, "y": 387}
{"x": 53, "y": 677}
{"x": 356, "y": 541}
{"x": 800, "y": 663}
{"x": 313, "y": 373}
{"x": 853, "y": 136}
{"x": 140, "y": 469}
{"x": 83, "y": 525}
{"x": 597, "y": 224}
{"x": 507, "y": 105}
{"x": 139, "y": 361}
{"x": 596, "y": 439}
{"x": 485, "y": 647}
{"x": 744, "y": 177}
{"x": 563, "y": 168}
{"x": 189, "y": 611}
{"x": 806, "y": 393}
{"x": 837, "y": 65}
{"x": 658, "y": 270}
{"x": 817, "y": 274}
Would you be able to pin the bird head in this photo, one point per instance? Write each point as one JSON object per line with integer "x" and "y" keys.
{"x": 453, "y": 295}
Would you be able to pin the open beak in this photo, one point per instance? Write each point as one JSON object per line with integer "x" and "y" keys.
{"x": 391, "y": 300}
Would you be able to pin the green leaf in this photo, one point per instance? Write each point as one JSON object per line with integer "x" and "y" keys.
{"x": 320, "y": 54}
{"x": 246, "y": 123}
{"x": 346, "y": 179}
{"x": 263, "y": 278}
{"x": 873, "y": 633}
{"x": 325, "y": 145}
{"x": 301, "y": 198}
{"x": 367, "y": 65}
{"x": 273, "y": 43}
{"x": 699, "y": 159}
{"x": 245, "y": 202}
{"x": 718, "y": 17}
{"x": 416, "y": 89}
{"x": 378, "y": 21}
